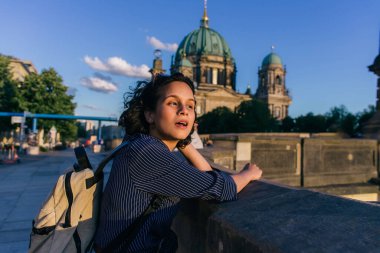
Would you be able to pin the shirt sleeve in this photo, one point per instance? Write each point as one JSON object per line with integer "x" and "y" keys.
{"x": 153, "y": 168}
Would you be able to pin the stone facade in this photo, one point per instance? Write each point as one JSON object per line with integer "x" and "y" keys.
{"x": 21, "y": 68}
{"x": 209, "y": 97}
{"x": 271, "y": 88}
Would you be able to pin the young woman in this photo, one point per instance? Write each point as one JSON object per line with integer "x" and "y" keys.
{"x": 158, "y": 117}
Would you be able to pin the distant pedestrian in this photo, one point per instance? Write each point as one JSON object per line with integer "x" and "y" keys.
{"x": 159, "y": 116}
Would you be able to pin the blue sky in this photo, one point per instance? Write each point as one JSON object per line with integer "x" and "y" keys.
{"x": 97, "y": 46}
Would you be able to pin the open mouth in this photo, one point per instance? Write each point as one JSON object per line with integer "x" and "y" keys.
{"x": 181, "y": 124}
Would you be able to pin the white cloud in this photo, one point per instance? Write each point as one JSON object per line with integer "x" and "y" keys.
{"x": 157, "y": 44}
{"x": 118, "y": 66}
{"x": 96, "y": 83}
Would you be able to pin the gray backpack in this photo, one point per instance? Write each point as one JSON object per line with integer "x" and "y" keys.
{"x": 68, "y": 218}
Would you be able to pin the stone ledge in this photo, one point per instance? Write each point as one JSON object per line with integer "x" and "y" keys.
{"x": 270, "y": 217}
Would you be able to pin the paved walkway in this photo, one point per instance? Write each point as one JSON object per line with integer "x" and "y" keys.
{"x": 23, "y": 188}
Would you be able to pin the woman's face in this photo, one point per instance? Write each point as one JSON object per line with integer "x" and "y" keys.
{"x": 174, "y": 116}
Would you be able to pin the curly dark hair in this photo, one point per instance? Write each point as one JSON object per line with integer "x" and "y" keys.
{"x": 145, "y": 97}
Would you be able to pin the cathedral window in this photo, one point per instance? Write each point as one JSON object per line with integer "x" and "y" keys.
{"x": 199, "y": 109}
{"x": 220, "y": 77}
{"x": 208, "y": 75}
{"x": 277, "y": 112}
{"x": 214, "y": 76}
{"x": 278, "y": 80}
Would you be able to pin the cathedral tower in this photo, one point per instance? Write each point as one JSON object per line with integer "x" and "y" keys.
{"x": 157, "y": 63}
{"x": 271, "y": 86}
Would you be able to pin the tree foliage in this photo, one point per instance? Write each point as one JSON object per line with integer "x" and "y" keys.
{"x": 250, "y": 116}
{"x": 363, "y": 117}
{"x": 42, "y": 93}
{"x": 219, "y": 120}
{"x": 254, "y": 116}
{"x": 310, "y": 123}
{"x": 9, "y": 101}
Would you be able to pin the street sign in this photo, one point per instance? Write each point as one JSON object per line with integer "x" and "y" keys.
{"x": 16, "y": 119}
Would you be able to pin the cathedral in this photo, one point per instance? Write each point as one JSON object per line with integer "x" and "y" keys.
{"x": 205, "y": 57}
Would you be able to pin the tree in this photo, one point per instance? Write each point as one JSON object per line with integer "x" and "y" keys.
{"x": 45, "y": 93}
{"x": 254, "y": 116}
{"x": 9, "y": 96}
{"x": 219, "y": 120}
{"x": 310, "y": 123}
{"x": 335, "y": 118}
{"x": 288, "y": 124}
{"x": 349, "y": 125}
{"x": 363, "y": 117}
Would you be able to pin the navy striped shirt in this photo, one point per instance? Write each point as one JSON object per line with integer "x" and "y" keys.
{"x": 144, "y": 168}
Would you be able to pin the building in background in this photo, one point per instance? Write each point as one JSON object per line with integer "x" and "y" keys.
{"x": 21, "y": 68}
{"x": 271, "y": 87}
{"x": 205, "y": 57}
{"x": 157, "y": 63}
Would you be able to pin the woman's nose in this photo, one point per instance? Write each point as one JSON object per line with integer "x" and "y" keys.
{"x": 183, "y": 110}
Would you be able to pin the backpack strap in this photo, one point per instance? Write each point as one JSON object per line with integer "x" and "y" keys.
{"x": 82, "y": 159}
{"x": 125, "y": 238}
{"x": 98, "y": 175}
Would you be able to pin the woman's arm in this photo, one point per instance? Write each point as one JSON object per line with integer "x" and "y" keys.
{"x": 249, "y": 173}
{"x": 195, "y": 158}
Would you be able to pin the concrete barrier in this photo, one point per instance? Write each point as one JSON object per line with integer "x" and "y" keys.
{"x": 299, "y": 159}
{"x": 272, "y": 218}
{"x": 339, "y": 161}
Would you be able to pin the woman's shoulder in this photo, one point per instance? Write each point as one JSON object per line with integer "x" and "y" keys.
{"x": 146, "y": 143}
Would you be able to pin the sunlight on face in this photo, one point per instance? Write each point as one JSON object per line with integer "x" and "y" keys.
{"x": 174, "y": 116}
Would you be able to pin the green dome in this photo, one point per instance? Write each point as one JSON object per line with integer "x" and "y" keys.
{"x": 185, "y": 62}
{"x": 270, "y": 59}
{"x": 203, "y": 41}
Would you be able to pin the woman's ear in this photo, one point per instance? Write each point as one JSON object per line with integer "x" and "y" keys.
{"x": 149, "y": 117}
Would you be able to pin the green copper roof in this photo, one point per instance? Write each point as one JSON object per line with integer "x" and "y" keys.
{"x": 271, "y": 58}
{"x": 203, "y": 41}
{"x": 185, "y": 62}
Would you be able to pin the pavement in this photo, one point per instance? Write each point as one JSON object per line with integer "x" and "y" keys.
{"x": 23, "y": 188}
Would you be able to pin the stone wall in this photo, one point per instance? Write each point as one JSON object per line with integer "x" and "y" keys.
{"x": 298, "y": 159}
{"x": 273, "y": 218}
{"x": 339, "y": 161}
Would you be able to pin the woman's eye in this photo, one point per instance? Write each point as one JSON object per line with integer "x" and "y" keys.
{"x": 173, "y": 103}
{"x": 190, "y": 107}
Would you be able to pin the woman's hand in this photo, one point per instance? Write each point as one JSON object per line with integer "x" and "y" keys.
{"x": 250, "y": 172}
